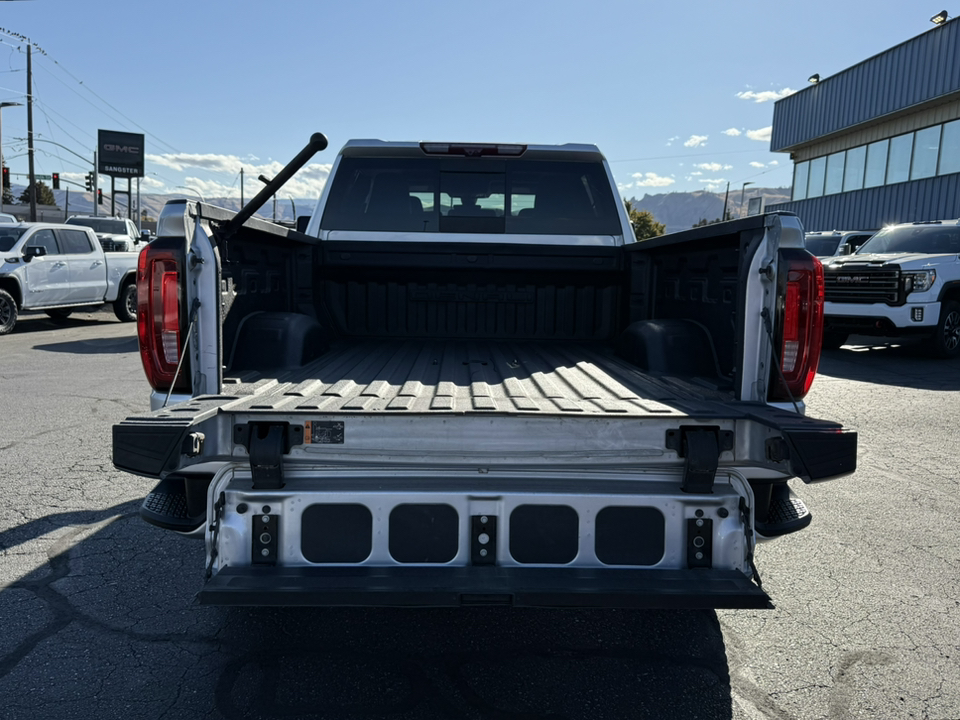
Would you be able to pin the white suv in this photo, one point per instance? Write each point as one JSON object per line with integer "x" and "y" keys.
{"x": 903, "y": 281}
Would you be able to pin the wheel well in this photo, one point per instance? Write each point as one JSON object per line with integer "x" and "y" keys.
{"x": 951, "y": 293}
{"x": 12, "y": 287}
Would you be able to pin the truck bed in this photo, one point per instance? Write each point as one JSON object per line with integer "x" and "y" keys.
{"x": 463, "y": 377}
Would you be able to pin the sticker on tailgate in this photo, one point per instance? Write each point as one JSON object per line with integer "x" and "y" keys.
{"x": 323, "y": 433}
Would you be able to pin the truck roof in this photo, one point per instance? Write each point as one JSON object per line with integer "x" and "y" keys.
{"x": 381, "y": 148}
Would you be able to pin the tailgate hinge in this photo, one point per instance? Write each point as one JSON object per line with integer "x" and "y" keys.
{"x": 700, "y": 446}
{"x": 267, "y": 443}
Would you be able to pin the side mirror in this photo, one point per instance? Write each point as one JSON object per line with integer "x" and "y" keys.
{"x": 302, "y": 222}
{"x": 146, "y": 235}
{"x": 33, "y": 251}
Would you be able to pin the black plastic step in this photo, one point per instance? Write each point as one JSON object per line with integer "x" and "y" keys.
{"x": 447, "y": 586}
{"x": 169, "y": 505}
{"x": 785, "y": 514}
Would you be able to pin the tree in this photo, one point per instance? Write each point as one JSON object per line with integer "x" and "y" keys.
{"x": 644, "y": 224}
{"x": 704, "y": 221}
{"x": 44, "y": 195}
{"x": 7, "y": 196}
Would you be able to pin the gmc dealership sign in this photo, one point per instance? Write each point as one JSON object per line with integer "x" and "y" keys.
{"x": 120, "y": 153}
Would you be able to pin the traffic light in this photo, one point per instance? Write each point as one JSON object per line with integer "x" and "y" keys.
{"x": 99, "y": 197}
{"x": 56, "y": 181}
{"x": 6, "y": 178}
{"x": 88, "y": 181}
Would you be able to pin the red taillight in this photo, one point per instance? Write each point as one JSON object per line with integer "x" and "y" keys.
{"x": 160, "y": 316}
{"x": 801, "y": 325}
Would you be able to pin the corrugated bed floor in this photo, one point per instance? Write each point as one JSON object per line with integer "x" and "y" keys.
{"x": 466, "y": 377}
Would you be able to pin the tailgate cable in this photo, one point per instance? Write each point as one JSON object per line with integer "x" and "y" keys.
{"x": 183, "y": 353}
{"x": 215, "y": 529}
{"x": 765, "y": 314}
{"x": 748, "y": 533}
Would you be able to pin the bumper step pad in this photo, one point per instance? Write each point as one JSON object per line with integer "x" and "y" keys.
{"x": 168, "y": 507}
{"x": 471, "y": 586}
{"x": 786, "y": 513}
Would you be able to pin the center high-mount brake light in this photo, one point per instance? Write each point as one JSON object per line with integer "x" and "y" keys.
{"x": 800, "y": 336}
{"x": 160, "y": 316}
{"x": 472, "y": 149}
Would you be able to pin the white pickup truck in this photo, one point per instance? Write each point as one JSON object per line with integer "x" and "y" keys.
{"x": 60, "y": 268}
{"x": 466, "y": 383}
{"x": 903, "y": 282}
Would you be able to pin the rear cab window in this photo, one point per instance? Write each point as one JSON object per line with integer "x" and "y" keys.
{"x": 456, "y": 195}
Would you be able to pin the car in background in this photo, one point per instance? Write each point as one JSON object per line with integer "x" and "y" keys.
{"x": 905, "y": 281}
{"x": 115, "y": 234}
{"x": 835, "y": 242}
{"x": 7, "y": 218}
{"x": 57, "y": 269}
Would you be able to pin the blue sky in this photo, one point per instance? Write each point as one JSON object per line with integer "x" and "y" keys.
{"x": 679, "y": 97}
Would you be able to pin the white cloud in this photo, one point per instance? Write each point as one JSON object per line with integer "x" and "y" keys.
{"x": 757, "y": 165}
{"x": 697, "y": 172}
{"x": 732, "y": 132}
{"x": 652, "y": 180}
{"x": 762, "y": 135}
{"x": 713, "y": 167}
{"x": 308, "y": 182}
{"x": 696, "y": 141}
{"x": 713, "y": 181}
{"x": 765, "y": 95}
{"x": 773, "y": 162}
{"x": 670, "y": 141}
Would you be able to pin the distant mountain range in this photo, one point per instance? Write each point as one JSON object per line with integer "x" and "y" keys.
{"x": 677, "y": 210}
{"x": 682, "y": 210}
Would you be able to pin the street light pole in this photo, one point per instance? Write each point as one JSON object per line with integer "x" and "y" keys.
{"x": 741, "y": 196}
{"x": 184, "y": 187}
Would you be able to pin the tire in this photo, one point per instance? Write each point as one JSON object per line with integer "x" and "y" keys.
{"x": 945, "y": 342}
{"x": 59, "y": 314}
{"x": 125, "y": 306}
{"x": 8, "y": 312}
{"x": 833, "y": 340}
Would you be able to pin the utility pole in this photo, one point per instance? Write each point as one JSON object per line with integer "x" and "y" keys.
{"x": 241, "y": 188}
{"x": 725, "y": 197}
{"x": 33, "y": 183}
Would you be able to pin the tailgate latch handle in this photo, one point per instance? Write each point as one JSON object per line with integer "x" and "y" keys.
{"x": 700, "y": 447}
{"x": 266, "y": 444}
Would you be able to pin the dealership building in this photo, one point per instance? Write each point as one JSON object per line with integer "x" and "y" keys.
{"x": 879, "y": 142}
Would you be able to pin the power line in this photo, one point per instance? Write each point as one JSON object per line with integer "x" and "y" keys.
{"x": 81, "y": 84}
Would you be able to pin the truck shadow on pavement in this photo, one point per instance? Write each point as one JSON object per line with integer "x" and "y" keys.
{"x": 906, "y": 365}
{"x": 96, "y": 346}
{"x": 107, "y": 614}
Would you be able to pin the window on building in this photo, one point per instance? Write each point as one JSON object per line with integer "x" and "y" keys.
{"x": 801, "y": 173}
{"x": 853, "y": 170}
{"x": 898, "y": 160}
{"x": 926, "y": 148}
{"x": 818, "y": 168}
{"x": 876, "y": 170}
{"x": 950, "y": 148}
{"x": 834, "y": 177}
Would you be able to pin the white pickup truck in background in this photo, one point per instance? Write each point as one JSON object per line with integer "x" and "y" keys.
{"x": 60, "y": 268}
{"x": 115, "y": 234}
{"x": 903, "y": 282}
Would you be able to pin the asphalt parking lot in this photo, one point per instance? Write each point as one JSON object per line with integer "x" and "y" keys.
{"x": 100, "y": 620}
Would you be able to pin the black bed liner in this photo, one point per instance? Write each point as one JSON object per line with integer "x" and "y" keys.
{"x": 434, "y": 376}
{"x": 475, "y": 378}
